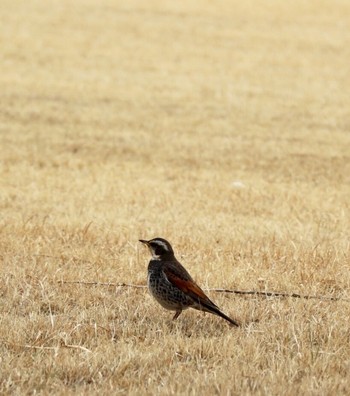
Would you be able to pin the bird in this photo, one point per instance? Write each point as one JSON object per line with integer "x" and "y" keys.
{"x": 172, "y": 286}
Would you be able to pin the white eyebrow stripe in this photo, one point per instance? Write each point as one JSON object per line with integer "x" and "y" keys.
{"x": 161, "y": 243}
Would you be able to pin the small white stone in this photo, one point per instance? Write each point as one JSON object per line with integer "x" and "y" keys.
{"x": 237, "y": 184}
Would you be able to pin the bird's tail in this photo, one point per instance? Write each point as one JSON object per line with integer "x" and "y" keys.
{"x": 212, "y": 308}
{"x": 232, "y": 321}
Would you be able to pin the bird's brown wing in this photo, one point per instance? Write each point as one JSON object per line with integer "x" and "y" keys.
{"x": 176, "y": 274}
{"x": 179, "y": 277}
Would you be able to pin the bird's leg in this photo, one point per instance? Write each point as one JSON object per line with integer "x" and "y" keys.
{"x": 177, "y": 314}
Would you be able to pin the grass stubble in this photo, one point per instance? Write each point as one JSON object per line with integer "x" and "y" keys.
{"x": 223, "y": 127}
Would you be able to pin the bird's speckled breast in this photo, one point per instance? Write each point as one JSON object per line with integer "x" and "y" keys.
{"x": 169, "y": 296}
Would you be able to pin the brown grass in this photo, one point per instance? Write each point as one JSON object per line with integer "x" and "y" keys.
{"x": 221, "y": 126}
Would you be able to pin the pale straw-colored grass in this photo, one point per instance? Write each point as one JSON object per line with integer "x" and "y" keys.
{"x": 221, "y": 126}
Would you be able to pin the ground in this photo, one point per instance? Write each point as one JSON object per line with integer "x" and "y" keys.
{"x": 223, "y": 127}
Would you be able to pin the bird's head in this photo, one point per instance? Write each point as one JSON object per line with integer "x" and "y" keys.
{"x": 159, "y": 248}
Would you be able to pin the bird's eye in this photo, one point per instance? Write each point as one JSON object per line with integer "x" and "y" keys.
{"x": 158, "y": 248}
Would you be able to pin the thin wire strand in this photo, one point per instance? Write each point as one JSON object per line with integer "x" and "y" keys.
{"x": 239, "y": 292}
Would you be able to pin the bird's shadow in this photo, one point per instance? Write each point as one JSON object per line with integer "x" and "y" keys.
{"x": 202, "y": 325}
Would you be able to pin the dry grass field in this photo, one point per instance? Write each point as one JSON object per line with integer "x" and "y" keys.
{"x": 222, "y": 126}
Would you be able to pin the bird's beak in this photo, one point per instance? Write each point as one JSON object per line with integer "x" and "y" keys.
{"x": 143, "y": 241}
